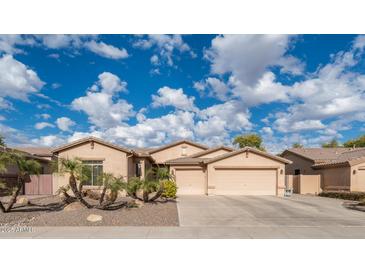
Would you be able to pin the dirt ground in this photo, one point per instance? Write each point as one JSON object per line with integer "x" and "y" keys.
{"x": 48, "y": 211}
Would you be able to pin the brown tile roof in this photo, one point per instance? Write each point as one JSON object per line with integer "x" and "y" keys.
{"x": 330, "y": 157}
{"x": 94, "y": 139}
{"x": 319, "y": 155}
{"x": 39, "y": 151}
{"x": 186, "y": 161}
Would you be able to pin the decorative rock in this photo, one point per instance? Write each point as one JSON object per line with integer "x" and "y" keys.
{"x": 73, "y": 207}
{"x": 139, "y": 203}
{"x": 94, "y": 218}
{"x": 22, "y": 200}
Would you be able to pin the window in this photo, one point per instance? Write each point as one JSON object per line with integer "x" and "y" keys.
{"x": 183, "y": 151}
{"x": 138, "y": 170}
{"x": 297, "y": 172}
{"x": 92, "y": 172}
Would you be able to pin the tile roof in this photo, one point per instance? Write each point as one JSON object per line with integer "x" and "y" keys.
{"x": 39, "y": 151}
{"x": 330, "y": 157}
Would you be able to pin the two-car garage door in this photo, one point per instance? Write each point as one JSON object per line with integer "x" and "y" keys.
{"x": 228, "y": 181}
{"x": 245, "y": 181}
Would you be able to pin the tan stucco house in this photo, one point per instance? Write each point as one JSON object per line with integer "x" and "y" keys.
{"x": 197, "y": 168}
{"x": 340, "y": 169}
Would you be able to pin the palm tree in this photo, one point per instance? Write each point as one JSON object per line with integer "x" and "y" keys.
{"x": 26, "y": 167}
{"x": 152, "y": 184}
{"x": 74, "y": 168}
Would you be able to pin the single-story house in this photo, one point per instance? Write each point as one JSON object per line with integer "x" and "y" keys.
{"x": 341, "y": 168}
{"x": 197, "y": 168}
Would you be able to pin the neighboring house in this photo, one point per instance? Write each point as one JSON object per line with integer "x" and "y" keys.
{"x": 340, "y": 168}
{"x": 197, "y": 168}
{"x": 37, "y": 183}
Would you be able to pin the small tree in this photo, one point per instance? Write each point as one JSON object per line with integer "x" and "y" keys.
{"x": 332, "y": 144}
{"x": 357, "y": 142}
{"x": 2, "y": 141}
{"x": 297, "y": 145}
{"x": 25, "y": 166}
{"x": 249, "y": 140}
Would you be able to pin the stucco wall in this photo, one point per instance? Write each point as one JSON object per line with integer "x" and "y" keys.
{"x": 358, "y": 177}
{"x": 247, "y": 159}
{"x": 304, "y": 165}
{"x": 175, "y": 152}
{"x": 114, "y": 161}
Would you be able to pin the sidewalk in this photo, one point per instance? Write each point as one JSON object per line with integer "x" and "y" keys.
{"x": 259, "y": 232}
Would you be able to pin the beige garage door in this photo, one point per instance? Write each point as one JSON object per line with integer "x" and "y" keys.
{"x": 190, "y": 181}
{"x": 245, "y": 181}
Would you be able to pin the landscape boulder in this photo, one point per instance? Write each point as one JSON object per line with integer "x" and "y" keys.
{"x": 94, "y": 218}
{"x": 73, "y": 207}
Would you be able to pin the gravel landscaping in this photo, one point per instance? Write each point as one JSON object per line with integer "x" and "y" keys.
{"x": 48, "y": 211}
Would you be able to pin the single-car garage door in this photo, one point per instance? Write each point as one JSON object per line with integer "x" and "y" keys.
{"x": 190, "y": 181}
{"x": 245, "y": 181}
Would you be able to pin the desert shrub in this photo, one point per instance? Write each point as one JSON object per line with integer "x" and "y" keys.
{"x": 170, "y": 189}
{"x": 353, "y": 196}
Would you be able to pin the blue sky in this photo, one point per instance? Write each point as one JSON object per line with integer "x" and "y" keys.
{"x": 147, "y": 90}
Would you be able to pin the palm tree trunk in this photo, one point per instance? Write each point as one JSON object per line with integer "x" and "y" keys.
{"x": 73, "y": 185}
{"x": 2, "y": 208}
{"x": 145, "y": 196}
{"x": 15, "y": 194}
{"x": 157, "y": 194}
{"x": 102, "y": 195}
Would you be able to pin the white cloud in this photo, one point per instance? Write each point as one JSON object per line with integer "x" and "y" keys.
{"x": 64, "y": 123}
{"x": 48, "y": 141}
{"x": 110, "y": 83}
{"x": 107, "y": 51}
{"x": 43, "y": 125}
{"x": 17, "y": 80}
{"x": 99, "y": 104}
{"x": 165, "y": 47}
{"x": 57, "y": 41}
{"x": 247, "y": 57}
{"x": 9, "y": 43}
{"x": 173, "y": 97}
{"x": 214, "y": 87}
{"x": 233, "y": 113}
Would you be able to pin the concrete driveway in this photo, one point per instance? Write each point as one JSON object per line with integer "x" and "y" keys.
{"x": 271, "y": 217}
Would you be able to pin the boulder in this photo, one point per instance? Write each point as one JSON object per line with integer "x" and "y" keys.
{"x": 22, "y": 200}
{"x": 94, "y": 218}
{"x": 73, "y": 207}
{"x": 138, "y": 203}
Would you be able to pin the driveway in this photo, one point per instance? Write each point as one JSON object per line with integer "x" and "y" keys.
{"x": 299, "y": 216}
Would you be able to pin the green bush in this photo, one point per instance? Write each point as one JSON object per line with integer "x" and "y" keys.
{"x": 170, "y": 189}
{"x": 353, "y": 196}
